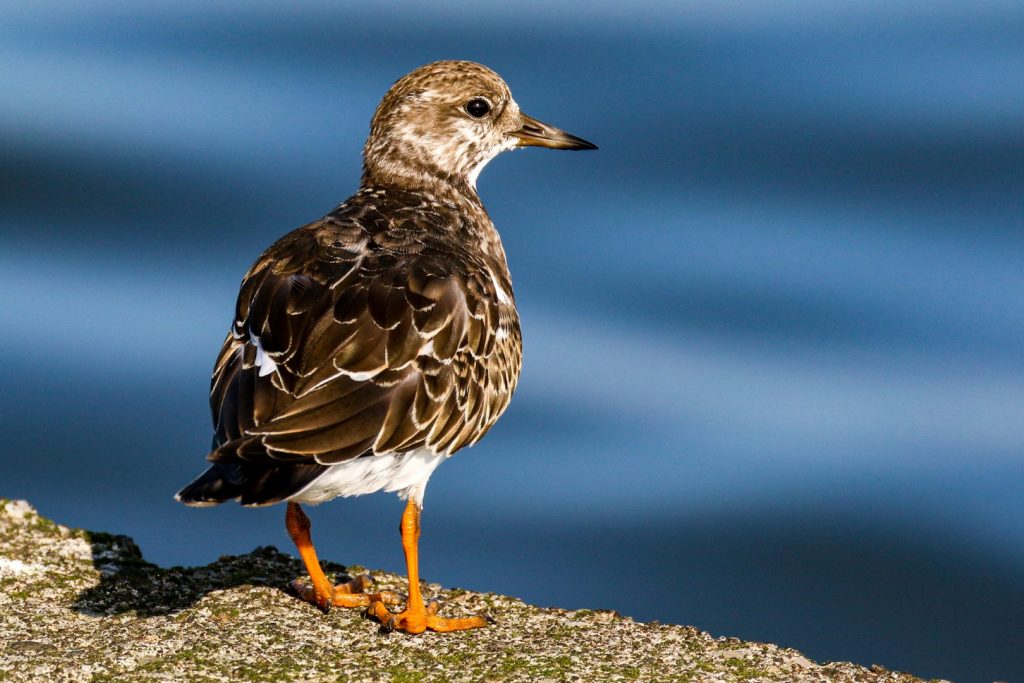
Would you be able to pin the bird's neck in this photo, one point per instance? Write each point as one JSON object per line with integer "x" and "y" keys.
{"x": 418, "y": 175}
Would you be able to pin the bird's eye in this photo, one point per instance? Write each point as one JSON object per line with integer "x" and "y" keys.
{"x": 477, "y": 107}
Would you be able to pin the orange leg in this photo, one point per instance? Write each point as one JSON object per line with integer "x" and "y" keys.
{"x": 322, "y": 593}
{"x": 417, "y": 617}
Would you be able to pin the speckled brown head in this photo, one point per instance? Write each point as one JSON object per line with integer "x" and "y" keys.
{"x": 443, "y": 122}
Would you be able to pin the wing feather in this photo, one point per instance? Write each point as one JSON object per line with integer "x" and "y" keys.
{"x": 371, "y": 341}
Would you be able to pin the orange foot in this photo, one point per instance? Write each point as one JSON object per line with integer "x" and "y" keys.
{"x": 321, "y": 593}
{"x": 354, "y": 593}
{"x": 417, "y": 617}
{"x": 418, "y": 620}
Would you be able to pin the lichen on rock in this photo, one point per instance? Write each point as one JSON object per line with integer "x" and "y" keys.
{"x": 85, "y": 606}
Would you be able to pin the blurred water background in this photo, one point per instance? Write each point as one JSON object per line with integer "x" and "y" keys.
{"x": 774, "y": 381}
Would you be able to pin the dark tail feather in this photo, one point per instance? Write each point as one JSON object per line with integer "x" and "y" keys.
{"x": 219, "y": 483}
{"x": 249, "y": 484}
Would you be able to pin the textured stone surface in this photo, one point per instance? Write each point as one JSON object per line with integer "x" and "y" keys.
{"x": 82, "y": 606}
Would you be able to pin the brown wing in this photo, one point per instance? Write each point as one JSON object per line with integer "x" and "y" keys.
{"x": 347, "y": 342}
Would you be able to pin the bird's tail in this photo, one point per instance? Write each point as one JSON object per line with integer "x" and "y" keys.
{"x": 217, "y": 484}
{"x": 249, "y": 484}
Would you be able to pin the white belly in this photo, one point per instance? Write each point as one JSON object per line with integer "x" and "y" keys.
{"x": 406, "y": 473}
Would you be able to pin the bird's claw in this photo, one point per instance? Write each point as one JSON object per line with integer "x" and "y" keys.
{"x": 308, "y": 594}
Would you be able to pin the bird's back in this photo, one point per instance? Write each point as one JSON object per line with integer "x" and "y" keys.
{"x": 387, "y": 327}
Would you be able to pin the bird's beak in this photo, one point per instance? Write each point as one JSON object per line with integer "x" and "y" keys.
{"x": 533, "y": 133}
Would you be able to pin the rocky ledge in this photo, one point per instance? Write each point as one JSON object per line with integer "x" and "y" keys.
{"x": 85, "y": 606}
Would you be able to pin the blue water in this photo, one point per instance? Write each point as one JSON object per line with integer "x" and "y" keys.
{"x": 774, "y": 381}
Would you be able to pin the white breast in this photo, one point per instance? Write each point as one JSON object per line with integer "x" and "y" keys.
{"x": 406, "y": 473}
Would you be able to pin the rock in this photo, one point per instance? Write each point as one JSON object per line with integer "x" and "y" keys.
{"x": 85, "y": 606}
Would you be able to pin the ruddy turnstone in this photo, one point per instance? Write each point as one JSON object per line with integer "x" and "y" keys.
{"x": 372, "y": 344}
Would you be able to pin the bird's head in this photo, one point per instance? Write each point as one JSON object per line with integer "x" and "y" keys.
{"x": 445, "y": 121}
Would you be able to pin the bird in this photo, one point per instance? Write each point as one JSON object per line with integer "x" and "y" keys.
{"x": 369, "y": 346}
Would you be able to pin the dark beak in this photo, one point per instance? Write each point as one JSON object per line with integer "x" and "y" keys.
{"x": 533, "y": 133}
